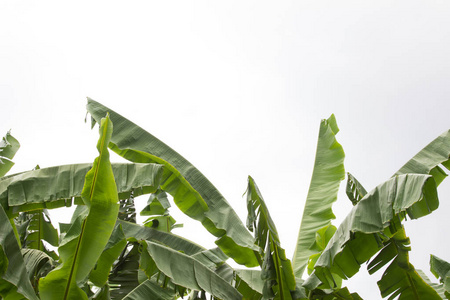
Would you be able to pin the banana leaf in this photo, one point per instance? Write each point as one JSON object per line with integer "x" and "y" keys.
{"x": 193, "y": 193}
{"x": 56, "y": 186}
{"x": 8, "y": 148}
{"x": 249, "y": 283}
{"x": 327, "y": 174}
{"x": 277, "y": 273}
{"x": 150, "y": 290}
{"x": 439, "y": 288}
{"x": 14, "y": 279}
{"x": 40, "y": 229}
{"x": 354, "y": 190}
{"x": 116, "y": 244}
{"x": 38, "y": 264}
{"x": 379, "y": 212}
{"x": 85, "y": 241}
{"x": 400, "y": 278}
{"x": 441, "y": 269}
{"x": 189, "y": 272}
{"x": 428, "y": 159}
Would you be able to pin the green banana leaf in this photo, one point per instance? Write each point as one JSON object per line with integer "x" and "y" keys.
{"x": 439, "y": 288}
{"x": 277, "y": 273}
{"x": 354, "y": 190}
{"x": 327, "y": 174}
{"x": 124, "y": 276}
{"x": 441, "y": 269}
{"x": 249, "y": 283}
{"x": 85, "y": 241}
{"x": 38, "y": 264}
{"x": 135, "y": 233}
{"x": 428, "y": 159}
{"x": 14, "y": 279}
{"x": 116, "y": 244}
{"x": 150, "y": 290}
{"x": 379, "y": 212}
{"x": 56, "y": 186}
{"x": 8, "y": 148}
{"x": 40, "y": 229}
{"x": 400, "y": 278}
{"x": 193, "y": 193}
{"x": 189, "y": 272}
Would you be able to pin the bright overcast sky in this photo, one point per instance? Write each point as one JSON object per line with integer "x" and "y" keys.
{"x": 238, "y": 88}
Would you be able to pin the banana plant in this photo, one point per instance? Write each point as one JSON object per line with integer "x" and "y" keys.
{"x": 105, "y": 254}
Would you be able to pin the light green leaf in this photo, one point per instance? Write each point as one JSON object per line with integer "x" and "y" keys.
{"x": 57, "y": 186}
{"x": 189, "y": 272}
{"x": 327, "y": 174}
{"x": 277, "y": 273}
{"x": 193, "y": 193}
{"x": 86, "y": 239}
{"x": 8, "y": 148}
{"x": 115, "y": 246}
{"x": 14, "y": 280}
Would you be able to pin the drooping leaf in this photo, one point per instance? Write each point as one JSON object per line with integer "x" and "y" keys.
{"x": 38, "y": 264}
{"x": 14, "y": 279}
{"x": 249, "y": 283}
{"x": 189, "y": 272}
{"x": 86, "y": 239}
{"x": 56, "y": 186}
{"x": 439, "y": 288}
{"x": 135, "y": 232}
{"x": 380, "y": 211}
{"x": 277, "y": 273}
{"x": 400, "y": 278}
{"x": 428, "y": 159}
{"x": 441, "y": 269}
{"x": 193, "y": 193}
{"x": 157, "y": 204}
{"x": 327, "y": 174}
{"x": 8, "y": 148}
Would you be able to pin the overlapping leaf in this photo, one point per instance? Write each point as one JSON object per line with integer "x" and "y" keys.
{"x": 327, "y": 174}
{"x": 14, "y": 280}
{"x": 380, "y": 211}
{"x": 189, "y": 272}
{"x": 56, "y": 186}
{"x": 400, "y": 278}
{"x": 86, "y": 239}
{"x": 193, "y": 193}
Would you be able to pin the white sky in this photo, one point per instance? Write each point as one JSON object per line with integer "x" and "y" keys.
{"x": 238, "y": 88}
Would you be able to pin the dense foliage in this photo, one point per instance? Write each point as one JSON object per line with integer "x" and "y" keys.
{"x": 102, "y": 253}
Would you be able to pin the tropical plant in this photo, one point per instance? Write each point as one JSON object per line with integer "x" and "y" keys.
{"x": 104, "y": 254}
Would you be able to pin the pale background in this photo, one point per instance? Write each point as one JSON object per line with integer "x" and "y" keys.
{"x": 238, "y": 88}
